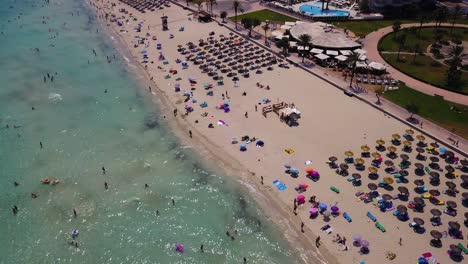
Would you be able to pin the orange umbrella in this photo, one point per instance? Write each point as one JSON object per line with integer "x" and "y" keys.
{"x": 309, "y": 170}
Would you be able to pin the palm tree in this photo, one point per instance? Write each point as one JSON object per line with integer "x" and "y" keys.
{"x": 456, "y": 14}
{"x": 212, "y": 2}
{"x": 378, "y": 94}
{"x": 223, "y": 15}
{"x": 416, "y": 50}
{"x": 353, "y": 58}
{"x": 328, "y": 1}
{"x": 250, "y": 24}
{"x": 237, "y": 8}
{"x": 401, "y": 44}
{"x": 457, "y": 54}
{"x": 284, "y": 44}
{"x": 440, "y": 15}
{"x": 265, "y": 28}
{"x": 396, "y": 27}
{"x": 304, "y": 40}
{"x": 422, "y": 19}
{"x": 412, "y": 108}
{"x": 199, "y": 3}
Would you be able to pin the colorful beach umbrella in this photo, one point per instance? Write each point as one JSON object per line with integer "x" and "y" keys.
{"x": 409, "y": 131}
{"x": 365, "y": 148}
{"x": 380, "y": 142}
{"x": 349, "y": 153}
{"x": 396, "y": 136}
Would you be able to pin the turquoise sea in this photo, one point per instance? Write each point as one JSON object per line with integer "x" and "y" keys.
{"x": 94, "y": 114}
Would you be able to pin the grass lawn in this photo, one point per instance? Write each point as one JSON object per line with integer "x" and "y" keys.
{"x": 433, "y": 109}
{"x": 265, "y": 14}
{"x": 362, "y": 28}
{"x": 388, "y": 43}
{"x": 424, "y": 70}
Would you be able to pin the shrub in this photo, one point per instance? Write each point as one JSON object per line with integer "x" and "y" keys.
{"x": 435, "y": 50}
{"x": 437, "y": 46}
{"x": 444, "y": 42}
{"x": 438, "y": 56}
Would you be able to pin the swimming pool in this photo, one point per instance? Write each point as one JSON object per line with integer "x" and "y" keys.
{"x": 317, "y": 11}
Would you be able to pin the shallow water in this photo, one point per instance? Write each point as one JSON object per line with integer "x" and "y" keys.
{"x": 83, "y": 128}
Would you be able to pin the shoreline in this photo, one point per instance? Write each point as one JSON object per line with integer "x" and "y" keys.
{"x": 219, "y": 160}
{"x": 237, "y": 167}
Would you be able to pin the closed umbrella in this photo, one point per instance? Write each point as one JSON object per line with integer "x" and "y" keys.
{"x": 418, "y": 221}
{"x": 454, "y": 225}
{"x": 419, "y": 201}
{"x": 372, "y": 186}
{"x": 436, "y": 234}
{"x": 402, "y": 209}
{"x": 387, "y": 197}
{"x": 403, "y": 190}
{"x": 419, "y": 182}
{"x": 451, "y": 204}
{"x": 436, "y": 212}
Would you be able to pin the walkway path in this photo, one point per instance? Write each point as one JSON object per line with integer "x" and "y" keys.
{"x": 370, "y": 44}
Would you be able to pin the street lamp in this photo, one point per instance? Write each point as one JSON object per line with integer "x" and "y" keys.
{"x": 267, "y": 26}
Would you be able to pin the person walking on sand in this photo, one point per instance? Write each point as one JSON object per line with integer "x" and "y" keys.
{"x": 75, "y": 214}
{"x": 175, "y": 112}
{"x": 246, "y": 115}
{"x": 245, "y": 260}
{"x": 201, "y": 248}
{"x": 106, "y": 186}
{"x": 103, "y": 170}
{"x": 40, "y": 144}
{"x": 302, "y": 227}
{"x": 255, "y": 108}
{"x": 149, "y": 88}
{"x": 400, "y": 242}
{"x": 261, "y": 180}
{"x": 317, "y": 242}
{"x": 173, "y": 202}
{"x": 190, "y": 133}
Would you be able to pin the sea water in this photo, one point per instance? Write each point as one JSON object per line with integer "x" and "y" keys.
{"x": 93, "y": 115}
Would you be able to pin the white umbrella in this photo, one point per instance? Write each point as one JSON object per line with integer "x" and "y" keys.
{"x": 377, "y": 66}
{"x": 361, "y": 64}
{"x": 276, "y": 33}
{"x": 292, "y": 44}
{"x": 332, "y": 52}
{"x": 279, "y": 36}
{"x": 341, "y": 58}
{"x": 360, "y": 51}
{"x": 300, "y": 47}
{"x": 363, "y": 57}
{"x": 322, "y": 56}
{"x": 345, "y": 52}
{"x": 316, "y": 51}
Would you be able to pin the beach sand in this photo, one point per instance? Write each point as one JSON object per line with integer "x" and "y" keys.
{"x": 331, "y": 123}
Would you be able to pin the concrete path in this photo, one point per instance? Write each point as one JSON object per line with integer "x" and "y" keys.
{"x": 370, "y": 44}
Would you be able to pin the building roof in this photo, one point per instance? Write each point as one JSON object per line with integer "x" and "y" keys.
{"x": 323, "y": 36}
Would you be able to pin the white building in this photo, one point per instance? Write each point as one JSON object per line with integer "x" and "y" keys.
{"x": 379, "y": 5}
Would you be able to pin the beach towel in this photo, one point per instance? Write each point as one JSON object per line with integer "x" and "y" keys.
{"x": 289, "y": 151}
{"x": 279, "y": 185}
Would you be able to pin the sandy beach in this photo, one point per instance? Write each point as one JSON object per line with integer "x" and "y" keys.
{"x": 330, "y": 124}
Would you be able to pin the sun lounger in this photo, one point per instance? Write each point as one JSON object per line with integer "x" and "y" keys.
{"x": 463, "y": 248}
{"x": 347, "y": 217}
{"x": 380, "y": 226}
{"x": 396, "y": 213}
{"x": 279, "y": 185}
{"x": 372, "y": 217}
{"x": 427, "y": 169}
{"x": 335, "y": 189}
{"x": 329, "y": 230}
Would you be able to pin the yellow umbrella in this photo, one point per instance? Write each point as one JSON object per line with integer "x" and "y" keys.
{"x": 406, "y": 143}
{"x": 391, "y": 149}
{"x": 372, "y": 169}
{"x": 380, "y": 142}
{"x": 359, "y": 161}
{"x": 409, "y": 131}
{"x": 376, "y": 155}
{"x": 349, "y": 153}
{"x": 420, "y": 137}
{"x": 365, "y": 148}
{"x": 388, "y": 180}
{"x": 396, "y": 136}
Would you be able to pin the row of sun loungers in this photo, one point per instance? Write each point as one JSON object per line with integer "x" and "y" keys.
{"x": 143, "y": 5}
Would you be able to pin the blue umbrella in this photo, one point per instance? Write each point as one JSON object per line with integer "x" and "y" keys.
{"x": 443, "y": 150}
{"x": 243, "y": 147}
{"x": 323, "y": 206}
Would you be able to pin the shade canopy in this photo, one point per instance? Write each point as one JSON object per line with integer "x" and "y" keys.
{"x": 345, "y": 52}
{"x": 316, "y": 51}
{"x": 332, "y": 52}
{"x": 377, "y": 66}
{"x": 322, "y": 56}
{"x": 341, "y": 58}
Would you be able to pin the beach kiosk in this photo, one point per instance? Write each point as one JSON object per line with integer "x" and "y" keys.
{"x": 290, "y": 116}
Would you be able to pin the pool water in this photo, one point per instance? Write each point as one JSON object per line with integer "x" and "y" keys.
{"x": 317, "y": 11}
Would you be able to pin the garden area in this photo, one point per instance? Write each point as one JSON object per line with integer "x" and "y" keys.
{"x": 266, "y": 14}
{"x": 363, "y": 28}
{"x": 448, "y": 115}
{"x": 407, "y": 51}
{"x": 423, "y": 38}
